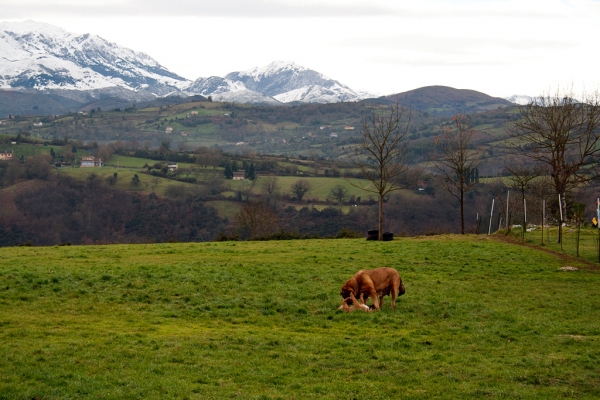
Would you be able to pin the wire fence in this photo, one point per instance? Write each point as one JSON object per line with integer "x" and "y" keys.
{"x": 582, "y": 243}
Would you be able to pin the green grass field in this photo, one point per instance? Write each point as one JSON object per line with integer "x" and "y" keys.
{"x": 148, "y": 183}
{"x": 321, "y": 187}
{"x": 135, "y": 162}
{"x": 259, "y": 320}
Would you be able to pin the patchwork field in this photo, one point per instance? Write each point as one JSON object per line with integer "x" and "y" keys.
{"x": 259, "y": 320}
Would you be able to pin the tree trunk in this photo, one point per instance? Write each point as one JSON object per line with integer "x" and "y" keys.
{"x": 462, "y": 212}
{"x": 380, "y": 218}
{"x": 562, "y": 217}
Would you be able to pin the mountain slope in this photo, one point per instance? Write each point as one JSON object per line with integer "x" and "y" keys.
{"x": 40, "y": 56}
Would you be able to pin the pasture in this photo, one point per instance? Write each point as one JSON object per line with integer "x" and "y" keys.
{"x": 258, "y": 320}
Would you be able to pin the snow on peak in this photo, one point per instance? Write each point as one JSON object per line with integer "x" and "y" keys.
{"x": 37, "y": 55}
{"x": 520, "y": 99}
{"x": 282, "y": 81}
{"x": 38, "y": 28}
{"x": 273, "y": 68}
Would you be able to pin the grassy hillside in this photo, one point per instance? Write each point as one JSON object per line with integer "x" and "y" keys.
{"x": 479, "y": 319}
{"x": 299, "y": 129}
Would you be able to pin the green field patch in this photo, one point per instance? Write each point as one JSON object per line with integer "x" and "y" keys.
{"x": 148, "y": 183}
{"x": 321, "y": 187}
{"x": 135, "y": 162}
{"x": 226, "y": 209}
{"x": 479, "y": 319}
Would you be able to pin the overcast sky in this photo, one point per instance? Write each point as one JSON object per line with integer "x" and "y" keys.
{"x": 499, "y": 47}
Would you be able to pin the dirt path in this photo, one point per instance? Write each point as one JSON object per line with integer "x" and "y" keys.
{"x": 564, "y": 258}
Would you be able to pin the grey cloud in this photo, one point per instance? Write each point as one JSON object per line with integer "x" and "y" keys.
{"x": 445, "y": 45}
{"x": 434, "y": 62}
{"x": 253, "y": 9}
{"x": 212, "y": 8}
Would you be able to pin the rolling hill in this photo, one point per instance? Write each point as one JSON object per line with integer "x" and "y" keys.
{"x": 447, "y": 101}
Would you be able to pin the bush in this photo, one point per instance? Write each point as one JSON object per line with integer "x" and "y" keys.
{"x": 346, "y": 233}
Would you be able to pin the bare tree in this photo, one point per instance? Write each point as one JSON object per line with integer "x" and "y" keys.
{"x": 521, "y": 177}
{"x": 256, "y": 219}
{"x": 499, "y": 191}
{"x": 543, "y": 190}
{"x": 183, "y": 147}
{"x": 270, "y": 184}
{"x": 156, "y": 181}
{"x": 247, "y": 191}
{"x": 561, "y": 132}
{"x": 380, "y": 153}
{"x": 300, "y": 188}
{"x": 339, "y": 192}
{"x": 458, "y": 160}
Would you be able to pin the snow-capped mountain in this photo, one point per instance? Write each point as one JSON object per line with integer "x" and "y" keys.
{"x": 222, "y": 89}
{"x": 520, "y": 99}
{"x": 280, "y": 81}
{"x": 36, "y": 55}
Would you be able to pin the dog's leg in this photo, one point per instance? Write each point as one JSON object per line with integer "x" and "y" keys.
{"x": 362, "y": 299}
{"x": 358, "y": 305}
{"x": 375, "y": 299}
{"x": 394, "y": 294}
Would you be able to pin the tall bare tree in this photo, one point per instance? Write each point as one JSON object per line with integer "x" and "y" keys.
{"x": 561, "y": 132}
{"x": 270, "y": 184}
{"x": 380, "y": 153}
{"x": 339, "y": 192}
{"x": 256, "y": 219}
{"x": 458, "y": 161}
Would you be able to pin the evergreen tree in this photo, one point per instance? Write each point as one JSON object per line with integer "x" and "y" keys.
{"x": 228, "y": 171}
{"x": 250, "y": 172}
{"x": 135, "y": 181}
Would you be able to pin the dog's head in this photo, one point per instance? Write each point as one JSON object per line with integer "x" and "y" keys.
{"x": 345, "y": 293}
{"x": 350, "y": 287}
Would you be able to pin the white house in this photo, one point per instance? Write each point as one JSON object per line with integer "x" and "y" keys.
{"x": 90, "y": 162}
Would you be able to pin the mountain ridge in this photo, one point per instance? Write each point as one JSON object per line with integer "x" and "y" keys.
{"x": 40, "y": 56}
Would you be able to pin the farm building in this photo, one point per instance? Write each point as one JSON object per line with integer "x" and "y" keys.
{"x": 172, "y": 166}
{"x": 238, "y": 176}
{"x": 91, "y": 162}
{"x": 6, "y": 155}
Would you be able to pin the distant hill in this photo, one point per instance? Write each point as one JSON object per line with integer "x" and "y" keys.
{"x": 35, "y": 103}
{"x": 445, "y": 101}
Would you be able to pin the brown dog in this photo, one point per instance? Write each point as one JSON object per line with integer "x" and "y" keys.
{"x": 375, "y": 283}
